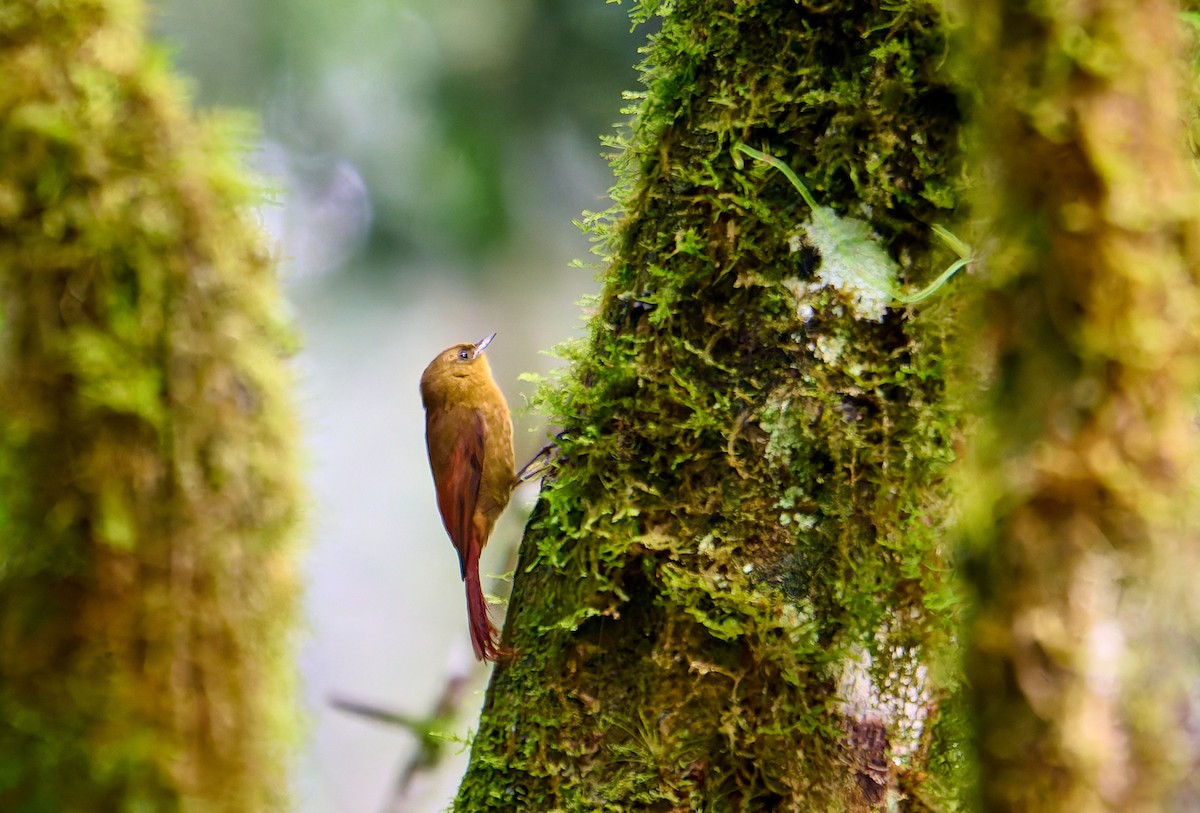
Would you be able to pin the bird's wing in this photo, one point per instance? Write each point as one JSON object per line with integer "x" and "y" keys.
{"x": 456, "y": 456}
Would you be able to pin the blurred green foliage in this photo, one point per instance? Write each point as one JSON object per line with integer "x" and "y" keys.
{"x": 456, "y": 114}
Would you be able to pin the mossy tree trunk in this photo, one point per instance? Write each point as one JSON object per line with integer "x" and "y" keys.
{"x": 1084, "y": 524}
{"x": 148, "y": 487}
{"x": 731, "y": 595}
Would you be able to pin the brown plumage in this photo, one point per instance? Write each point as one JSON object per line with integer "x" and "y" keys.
{"x": 468, "y": 431}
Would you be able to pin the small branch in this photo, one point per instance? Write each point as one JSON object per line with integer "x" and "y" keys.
{"x": 431, "y": 732}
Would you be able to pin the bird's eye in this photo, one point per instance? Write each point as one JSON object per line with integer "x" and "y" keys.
{"x": 464, "y": 355}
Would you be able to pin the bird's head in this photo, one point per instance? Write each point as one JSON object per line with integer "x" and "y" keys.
{"x": 456, "y": 364}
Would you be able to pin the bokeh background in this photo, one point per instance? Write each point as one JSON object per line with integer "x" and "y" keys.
{"x": 429, "y": 158}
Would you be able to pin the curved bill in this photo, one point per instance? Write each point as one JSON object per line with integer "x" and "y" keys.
{"x": 482, "y": 344}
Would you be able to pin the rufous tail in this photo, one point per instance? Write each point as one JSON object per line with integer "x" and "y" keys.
{"x": 483, "y": 632}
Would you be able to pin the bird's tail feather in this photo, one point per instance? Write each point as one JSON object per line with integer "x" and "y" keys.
{"x": 483, "y": 632}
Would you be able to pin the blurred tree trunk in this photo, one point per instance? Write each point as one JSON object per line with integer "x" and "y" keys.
{"x": 148, "y": 484}
{"x": 731, "y": 595}
{"x": 1083, "y": 519}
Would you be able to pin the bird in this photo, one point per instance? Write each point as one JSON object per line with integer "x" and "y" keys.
{"x": 468, "y": 433}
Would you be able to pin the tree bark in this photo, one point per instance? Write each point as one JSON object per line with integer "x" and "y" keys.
{"x": 149, "y": 491}
{"x": 1083, "y": 535}
{"x": 731, "y": 594}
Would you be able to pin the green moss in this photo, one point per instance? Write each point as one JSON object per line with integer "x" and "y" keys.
{"x": 149, "y": 495}
{"x": 751, "y": 493}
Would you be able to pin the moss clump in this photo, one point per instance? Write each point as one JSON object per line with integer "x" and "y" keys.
{"x": 737, "y": 571}
{"x": 149, "y": 493}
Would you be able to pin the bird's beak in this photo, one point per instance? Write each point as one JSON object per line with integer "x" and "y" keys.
{"x": 482, "y": 344}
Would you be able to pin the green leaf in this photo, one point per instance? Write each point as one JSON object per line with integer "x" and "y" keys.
{"x": 852, "y": 258}
{"x": 852, "y": 261}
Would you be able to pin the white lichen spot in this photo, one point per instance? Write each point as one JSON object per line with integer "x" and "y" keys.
{"x": 865, "y": 276}
{"x": 829, "y": 348}
{"x": 900, "y": 699}
{"x": 789, "y": 616}
{"x": 856, "y": 687}
{"x": 806, "y": 521}
{"x": 851, "y": 260}
{"x": 796, "y": 620}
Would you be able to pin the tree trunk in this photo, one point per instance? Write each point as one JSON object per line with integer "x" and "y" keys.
{"x": 732, "y": 592}
{"x": 1084, "y": 541}
{"x": 148, "y": 486}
